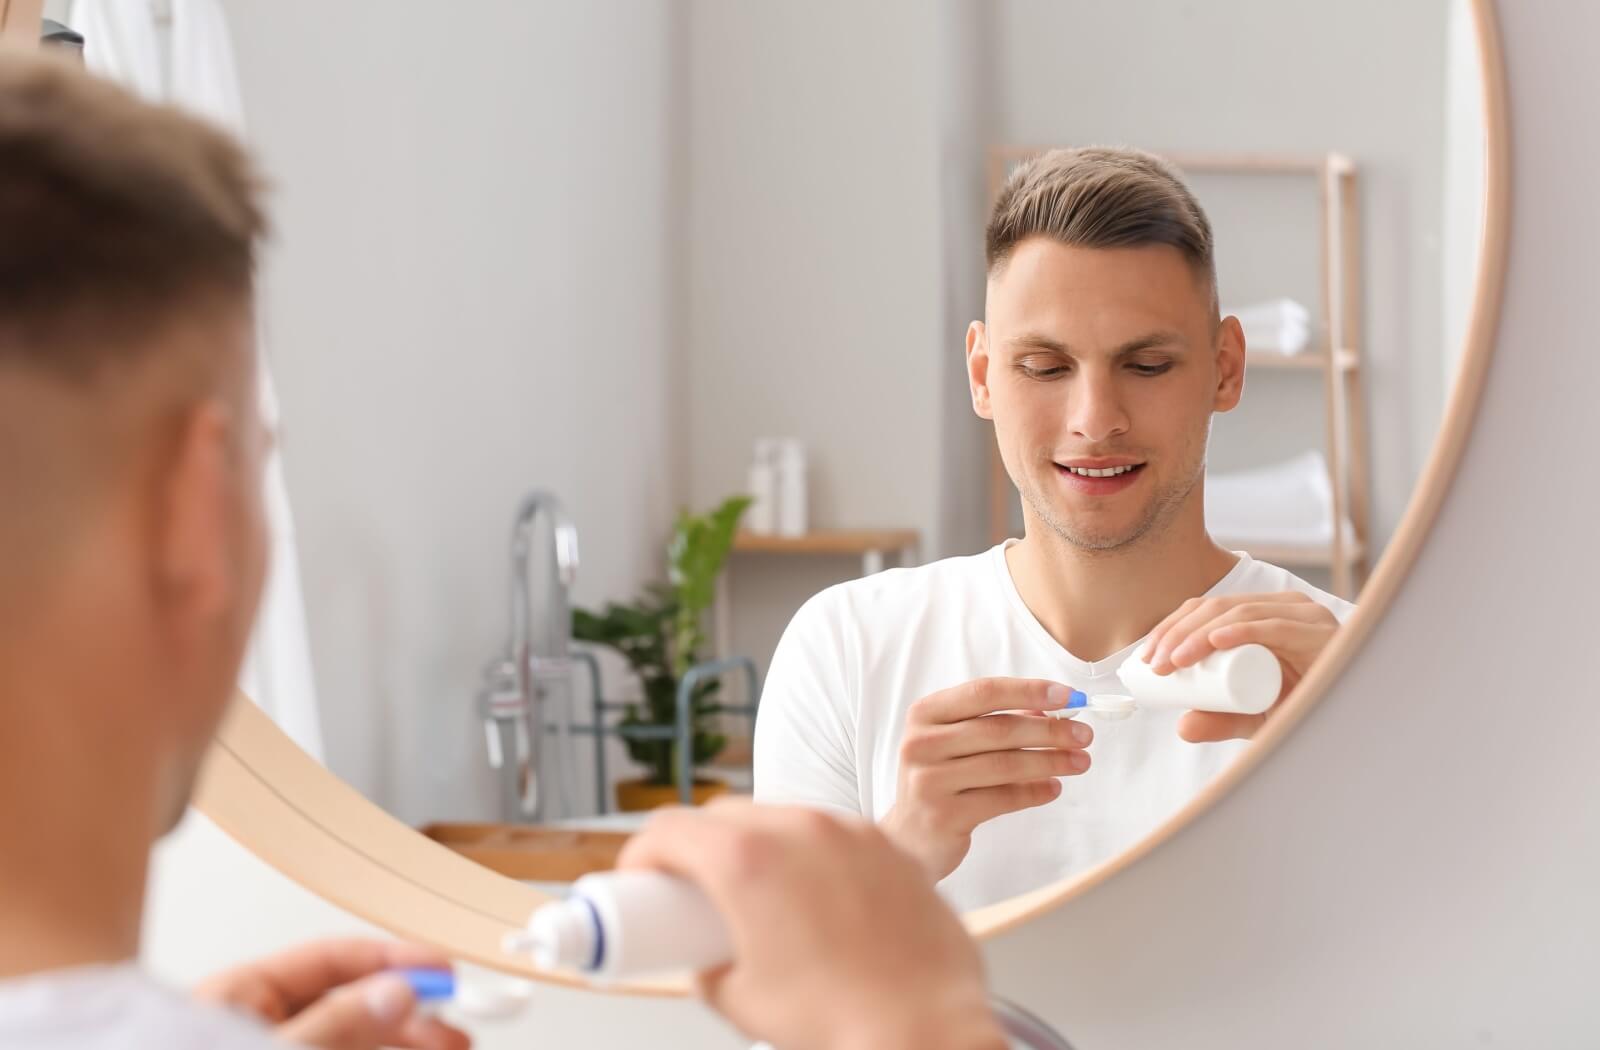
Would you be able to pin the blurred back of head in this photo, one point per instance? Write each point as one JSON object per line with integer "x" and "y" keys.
{"x": 128, "y": 424}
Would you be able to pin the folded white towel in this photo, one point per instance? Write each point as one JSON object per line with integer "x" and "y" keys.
{"x": 1271, "y": 312}
{"x": 1288, "y": 503}
{"x": 1279, "y": 326}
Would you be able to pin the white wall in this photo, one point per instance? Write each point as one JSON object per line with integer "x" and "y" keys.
{"x": 815, "y": 273}
{"x": 470, "y": 295}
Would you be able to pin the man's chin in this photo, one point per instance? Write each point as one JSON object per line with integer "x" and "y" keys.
{"x": 1092, "y": 534}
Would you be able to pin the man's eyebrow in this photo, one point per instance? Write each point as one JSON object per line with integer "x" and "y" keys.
{"x": 1150, "y": 340}
{"x": 1036, "y": 341}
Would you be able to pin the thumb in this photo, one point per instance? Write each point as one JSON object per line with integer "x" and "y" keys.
{"x": 1205, "y": 727}
{"x": 365, "y": 1015}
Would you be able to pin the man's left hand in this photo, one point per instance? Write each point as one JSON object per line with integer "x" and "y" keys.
{"x": 1291, "y": 624}
{"x": 337, "y": 995}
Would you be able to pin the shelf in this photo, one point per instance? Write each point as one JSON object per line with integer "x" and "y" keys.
{"x": 854, "y": 542}
{"x": 1305, "y": 361}
{"x": 536, "y": 853}
{"x": 1313, "y": 164}
{"x": 1287, "y": 555}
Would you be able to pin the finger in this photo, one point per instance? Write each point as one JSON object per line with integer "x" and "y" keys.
{"x": 302, "y": 974}
{"x": 993, "y": 733}
{"x": 984, "y": 804}
{"x": 1295, "y": 643}
{"x": 421, "y": 1032}
{"x": 1206, "y": 727}
{"x": 1179, "y": 631}
{"x": 996, "y": 768}
{"x": 366, "y": 1015}
{"x": 984, "y": 696}
{"x": 1187, "y": 612}
{"x": 709, "y": 986}
{"x": 1160, "y": 631}
{"x": 672, "y": 836}
{"x": 705, "y": 846}
{"x": 661, "y": 842}
{"x": 1201, "y": 643}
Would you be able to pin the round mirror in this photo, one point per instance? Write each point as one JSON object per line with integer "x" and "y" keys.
{"x": 545, "y": 277}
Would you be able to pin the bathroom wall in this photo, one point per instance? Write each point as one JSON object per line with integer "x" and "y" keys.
{"x": 471, "y": 293}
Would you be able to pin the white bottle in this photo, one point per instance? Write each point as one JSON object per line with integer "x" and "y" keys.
{"x": 622, "y": 925}
{"x": 1245, "y": 680}
{"x": 762, "y": 514}
{"x": 792, "y": 509}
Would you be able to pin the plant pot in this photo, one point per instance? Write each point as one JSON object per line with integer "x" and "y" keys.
{"x": 634, "y": 796}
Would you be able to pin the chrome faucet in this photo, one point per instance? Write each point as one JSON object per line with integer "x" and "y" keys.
{"x": 531, "y": 679}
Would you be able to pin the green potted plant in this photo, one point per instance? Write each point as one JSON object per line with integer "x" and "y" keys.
{"x": 661, "y": 637}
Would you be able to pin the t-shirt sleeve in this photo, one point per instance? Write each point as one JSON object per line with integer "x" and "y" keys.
{"x": 805, "y": 727}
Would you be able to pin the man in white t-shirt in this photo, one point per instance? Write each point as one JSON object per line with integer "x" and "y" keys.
{"x": 913, "y": 697}
{"x": 132, "y": 550}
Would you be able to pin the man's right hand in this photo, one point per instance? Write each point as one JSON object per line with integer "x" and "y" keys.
{"x": 974, "y": 752}
{"x": 839, "y": 942}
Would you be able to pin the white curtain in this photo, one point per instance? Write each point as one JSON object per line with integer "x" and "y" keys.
{"x": 181, "y": 53}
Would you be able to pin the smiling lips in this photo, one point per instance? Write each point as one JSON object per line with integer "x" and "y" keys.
{"x": 1100, "y": 478}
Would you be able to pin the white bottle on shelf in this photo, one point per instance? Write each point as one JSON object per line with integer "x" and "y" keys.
{"x": 623, "y": 925}
{"x": 792, "y": 508}
{"x": 762, "y": 514}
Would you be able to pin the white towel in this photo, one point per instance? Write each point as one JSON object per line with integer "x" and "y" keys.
{"x": 122, "y": 43}
{"x": 1278, "y": 326}
{"x": 1288, "y": 503}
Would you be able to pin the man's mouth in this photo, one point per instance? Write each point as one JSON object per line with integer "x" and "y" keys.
{"x": 1099, "y": 478}
{"x": 1101, "y": 472}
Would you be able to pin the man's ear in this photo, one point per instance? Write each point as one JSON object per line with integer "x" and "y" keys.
{"x": 1230, "y": 365}
{"x": 978, "y": 368}
{"x": 195, "y": 517}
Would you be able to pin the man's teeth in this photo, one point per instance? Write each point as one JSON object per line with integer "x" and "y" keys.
{"x": 1108, "y": 472}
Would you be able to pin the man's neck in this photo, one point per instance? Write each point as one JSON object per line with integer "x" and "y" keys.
{"x": 1096, "y": 603}
{"x": 77, "y": 819}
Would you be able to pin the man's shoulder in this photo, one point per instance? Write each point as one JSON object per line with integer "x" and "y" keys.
{"x": 1256, "y": 576}
{"x": 100, "y": 1008}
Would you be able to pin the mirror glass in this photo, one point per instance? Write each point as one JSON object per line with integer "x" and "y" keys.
{"x": 642, "y": 258}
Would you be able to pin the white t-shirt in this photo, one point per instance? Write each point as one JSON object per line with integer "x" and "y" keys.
{"x": 856, "y": 656}
{"x": 116, "y": 1008}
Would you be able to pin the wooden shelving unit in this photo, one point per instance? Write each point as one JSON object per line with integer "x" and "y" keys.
{"x": 865, "y": 543}
{"x": 870, "y": 545}
{"x": 1338, "y": 362}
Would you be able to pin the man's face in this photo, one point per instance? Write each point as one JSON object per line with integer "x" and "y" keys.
{"x": 1097, "y": 360}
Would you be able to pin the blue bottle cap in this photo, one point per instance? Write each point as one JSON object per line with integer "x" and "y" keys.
{"x": 431, "y": 986}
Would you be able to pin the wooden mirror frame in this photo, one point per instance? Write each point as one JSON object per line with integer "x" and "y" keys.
{"x": 293, "y": 813}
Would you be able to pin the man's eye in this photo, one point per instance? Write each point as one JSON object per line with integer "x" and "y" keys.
{"x": 1042, "y": 371}
{"x": 1151, "y": 370}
